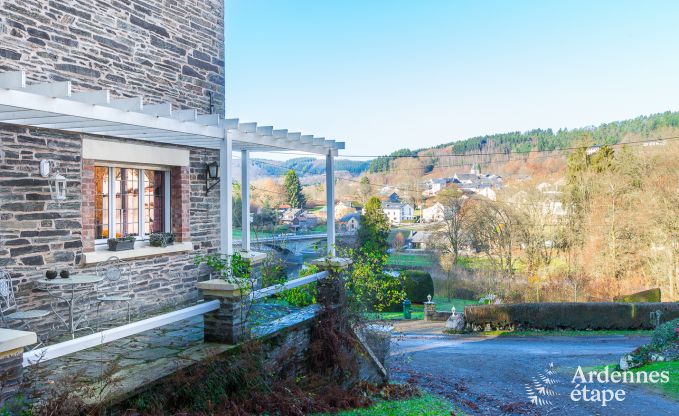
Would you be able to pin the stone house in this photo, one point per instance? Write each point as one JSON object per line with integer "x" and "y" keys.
{"x": 350, "y": 222}
{"x": 420, "y": 240}
{"x": 125, "y": 102}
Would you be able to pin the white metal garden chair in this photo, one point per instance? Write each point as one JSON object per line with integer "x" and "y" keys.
{"x": 9, "y": 310}
{"x": 115, "y": 288}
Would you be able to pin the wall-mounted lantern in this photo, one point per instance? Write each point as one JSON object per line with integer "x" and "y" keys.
{"x": 57, "y": 185}
{"x": 211, "y": 174}
{"x": 56, "y": 182}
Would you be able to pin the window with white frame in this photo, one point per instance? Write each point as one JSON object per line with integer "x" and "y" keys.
{"x": 130, "y": 201}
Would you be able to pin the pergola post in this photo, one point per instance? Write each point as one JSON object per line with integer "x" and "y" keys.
{"x": 330, "y": 198}
{"x": 226, "y": 196}
{"x": 245, "y": 193}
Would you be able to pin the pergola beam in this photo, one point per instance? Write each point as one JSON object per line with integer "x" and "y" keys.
{"x": 13, "y": 80}
{"x": 53, "y": 105}
{"x": 99, "y": 97}
{"x": 159, "y": 110}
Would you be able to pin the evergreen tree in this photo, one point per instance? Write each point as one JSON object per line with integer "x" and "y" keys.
{"x": 293, "y": 188}
{"x": 364, "y": 189}
{"x": 374, "y": 230}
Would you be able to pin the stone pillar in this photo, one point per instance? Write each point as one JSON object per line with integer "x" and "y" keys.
{"x": 429, "y": 309}
{"x": 255, "y": 259}
{"x": 12, "y": 345}
{"x": 226, "y": 325}
{"x": 330, "y": 291}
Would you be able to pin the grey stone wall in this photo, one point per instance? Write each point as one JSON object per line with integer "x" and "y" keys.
{"x": 11, "y": 375}
{"x": 37, "y": 233}
{"x": 165, "y": 50}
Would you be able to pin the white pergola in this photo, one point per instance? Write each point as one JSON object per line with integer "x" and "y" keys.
{"x": 54, "y": 106}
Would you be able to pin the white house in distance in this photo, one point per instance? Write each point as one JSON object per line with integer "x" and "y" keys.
{"x": 436, "y": 185}
{"x": 434, "y": 213}
{"x": 398, "y": 212}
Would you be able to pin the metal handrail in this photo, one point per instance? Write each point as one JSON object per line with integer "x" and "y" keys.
{"x": 300, "y": 281}
{"x": 99, "y": 338}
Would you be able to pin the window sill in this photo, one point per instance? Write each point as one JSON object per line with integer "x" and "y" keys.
{"x": 140, "y": 250}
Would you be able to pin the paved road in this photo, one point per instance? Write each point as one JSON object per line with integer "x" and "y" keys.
{"x": 488, "y": 376}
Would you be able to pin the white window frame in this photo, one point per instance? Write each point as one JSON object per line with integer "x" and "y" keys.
{"x": 167, "y": 226}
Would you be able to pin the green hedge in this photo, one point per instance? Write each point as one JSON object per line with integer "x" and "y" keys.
{"x": 651, "y": 295}
{"x": 570, "y": 315}
{"x": 417, "y": 285}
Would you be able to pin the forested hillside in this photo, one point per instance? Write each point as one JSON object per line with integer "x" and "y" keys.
{"x": 310, "y": 166}
{"x": 640, "y": 128}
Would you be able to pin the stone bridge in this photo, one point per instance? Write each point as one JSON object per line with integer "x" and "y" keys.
{"x": 295, "y": 244}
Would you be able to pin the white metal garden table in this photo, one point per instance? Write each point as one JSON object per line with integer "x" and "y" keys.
{"x": 67, "y": 293}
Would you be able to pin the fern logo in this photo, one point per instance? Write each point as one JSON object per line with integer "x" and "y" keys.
{"x": 540, "y": 390}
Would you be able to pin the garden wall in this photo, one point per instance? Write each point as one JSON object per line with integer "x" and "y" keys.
{"x": 569, "y": 315}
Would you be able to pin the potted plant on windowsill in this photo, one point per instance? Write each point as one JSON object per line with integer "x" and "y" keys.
{"x": 121, "y": 243}
{"x": 161, "y": 239}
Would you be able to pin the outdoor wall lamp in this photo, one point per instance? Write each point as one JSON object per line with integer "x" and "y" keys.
{"x": 211, "y": 174}
{"x": 56, "y": 182}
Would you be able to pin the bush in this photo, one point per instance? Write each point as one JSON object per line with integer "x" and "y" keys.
{"x": 417, "y": 285}
{"x": 651, "y": 295}
{"x": 570, "y": 315}
{"x": 665, "y": 334}
{"x": 302, "y": 295}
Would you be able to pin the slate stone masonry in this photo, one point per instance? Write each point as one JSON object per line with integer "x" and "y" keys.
{"x": 164, "y": 50}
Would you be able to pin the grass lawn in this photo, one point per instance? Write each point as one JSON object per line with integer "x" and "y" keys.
{"x": 566, "y": 333}
{"x": 409, "y": 260}
{"x": 417, "y": 311}
{"x": 425, "y": 405}
{"x": 670, "y": 388}
{"x": 475, "y": 263}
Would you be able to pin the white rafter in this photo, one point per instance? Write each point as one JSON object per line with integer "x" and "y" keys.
{"x": 53, "y": 105}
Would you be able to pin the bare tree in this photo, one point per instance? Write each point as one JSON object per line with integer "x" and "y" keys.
{"x": 495, "y": 229}
{"x": 453, "y": 234}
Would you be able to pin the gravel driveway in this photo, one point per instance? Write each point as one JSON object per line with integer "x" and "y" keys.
{"x": 489, "y": 376}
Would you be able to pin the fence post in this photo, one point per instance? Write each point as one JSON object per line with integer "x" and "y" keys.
{"x": 12, "y": 343}
{"x": 330, "y": 291}
{"x": 226, "y": 325}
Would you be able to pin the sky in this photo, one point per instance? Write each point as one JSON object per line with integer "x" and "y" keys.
{"x": 384, "y": 75}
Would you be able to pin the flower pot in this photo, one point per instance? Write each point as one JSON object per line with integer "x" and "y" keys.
{"x": 120, "y": 245}
{"x": 51, "y": 274}
{"x": 158, "y": 240}
{"x": 65, "y": 274}
{"x": 161, "y": 239}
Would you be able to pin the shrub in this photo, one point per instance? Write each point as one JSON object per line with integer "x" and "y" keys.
{"x": 302, "y": 295}
{"x": 651, "y": 295}
{"x": 417, "y": 285}
{"x": 570, "y": 315}
{"x": 665, "y": 334}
